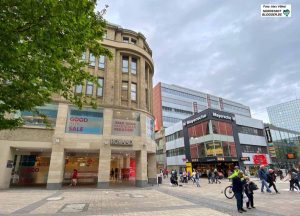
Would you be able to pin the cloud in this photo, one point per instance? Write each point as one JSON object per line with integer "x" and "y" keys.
{"x": 221, "y": 47}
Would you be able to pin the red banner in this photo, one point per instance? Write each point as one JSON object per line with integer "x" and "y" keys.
{"x": 132, "y": 167}
{"x": 260, "y": 159}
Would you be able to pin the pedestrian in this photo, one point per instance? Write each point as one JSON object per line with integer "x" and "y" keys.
{"x": 249, "y": 191}
{"x": 216, "y": 173}
{"x": 112, "y": 174}
{"x": 74, "y": 177}
{"x": 194, "y": 176}
{"x": 167, "y": 173}
{"x": 197, "y": 178}
{"x": 209, "y": 175}
{"x": 271, "y": 179}
{"x": 184, "y": 176}
{"x": 238, "y": 188}
{"x": 263, "y": 178}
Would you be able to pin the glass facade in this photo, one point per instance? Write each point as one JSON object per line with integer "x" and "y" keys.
{"x": 286, "y": 115}
{"x": 284, "y": 148}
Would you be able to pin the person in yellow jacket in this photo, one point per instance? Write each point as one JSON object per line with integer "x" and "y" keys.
{"x": 235, "y": 172}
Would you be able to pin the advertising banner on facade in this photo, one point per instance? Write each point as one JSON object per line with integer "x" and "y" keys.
{"x": 126, "y": 123}
{"x": 150, "y": 127}
{"x": 85, "y": 121}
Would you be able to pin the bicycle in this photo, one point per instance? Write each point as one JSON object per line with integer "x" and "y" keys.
{"x": 228, "y": 192}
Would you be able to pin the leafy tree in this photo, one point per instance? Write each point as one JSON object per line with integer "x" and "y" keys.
{"x": 41, "y": 44}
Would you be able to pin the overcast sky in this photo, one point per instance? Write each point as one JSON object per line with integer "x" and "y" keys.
{"x": 224, "y": 48}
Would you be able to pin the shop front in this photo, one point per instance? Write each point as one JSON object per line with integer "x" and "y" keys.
{"x": 30, "y": 169}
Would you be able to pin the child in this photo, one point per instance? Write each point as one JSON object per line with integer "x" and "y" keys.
{"x": 249, "y": 188}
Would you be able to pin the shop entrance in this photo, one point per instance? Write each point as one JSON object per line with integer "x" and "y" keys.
{"x": 122, "y": 168}
{"x": 30, "y": 168}
{"x": 224, "y": 167}
{"x": 86, "y": 164}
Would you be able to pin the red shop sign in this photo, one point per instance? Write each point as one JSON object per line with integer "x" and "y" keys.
{"x": 260, "y": 159}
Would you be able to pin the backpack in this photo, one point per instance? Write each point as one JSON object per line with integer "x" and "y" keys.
{"x": 253, "y": 186}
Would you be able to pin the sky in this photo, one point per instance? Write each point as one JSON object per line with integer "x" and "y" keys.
{"x": 223, "y": 48}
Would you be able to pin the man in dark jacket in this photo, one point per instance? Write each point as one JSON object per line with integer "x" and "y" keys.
{"x": 263, "y": 178}
{"x": 271, "y": 179}
{"x": 237, "y": 188}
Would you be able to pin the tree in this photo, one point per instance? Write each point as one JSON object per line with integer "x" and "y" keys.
{"x": 41, "y": 44}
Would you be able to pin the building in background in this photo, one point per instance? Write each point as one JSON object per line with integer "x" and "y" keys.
{"x": 285, "y": 115}
{"x": 172, "y": 103}
{"x": 216, "y": 139}
{"x": 112, "y": 143}
{"x": 161, "y": 159}
{"x": 284, "y": 146}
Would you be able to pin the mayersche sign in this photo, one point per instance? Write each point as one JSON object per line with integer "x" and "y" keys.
{"x": 194, "y": 120}
{"x": 220, "y": 116}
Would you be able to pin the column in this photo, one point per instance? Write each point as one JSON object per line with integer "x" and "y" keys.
{"x": 152, "y": 168}
{"x": 6, "y": 154}
{"x": 104, "y": 167}
{"x": 56, "y": 169}
{"x": 141, "y": 179}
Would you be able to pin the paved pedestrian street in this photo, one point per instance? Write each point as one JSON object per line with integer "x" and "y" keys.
{"x": 153, "y": 200}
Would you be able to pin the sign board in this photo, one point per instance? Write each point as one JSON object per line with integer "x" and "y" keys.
{"x": 290, "y": 156}
{"x": 85, "y": 121}
{"x": 126, "y": 123}
{"x": 10, "y": 164}
{"x": 194, "y": 120}
{"x": 245, "y": 158}
{"x": 188, "y": 166}
{"x": 268, "y": 134}
{"x": 121, "y": 142}
{"x": 260, "y": 159}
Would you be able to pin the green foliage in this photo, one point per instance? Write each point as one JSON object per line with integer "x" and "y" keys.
{"x": 41, "y": 44}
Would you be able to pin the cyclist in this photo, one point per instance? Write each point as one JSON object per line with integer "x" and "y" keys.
{"x": 235, "y": 172}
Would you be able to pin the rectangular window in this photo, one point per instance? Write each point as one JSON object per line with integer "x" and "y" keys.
{"x": 105, "y": 34}
{"x": 100, "y": 87}
{"x": 78, "y": 89}
{"x": 83, "y": 56}
{"x": 89, "y": 88}
{"x": 133, "y": 65}
{"x": 124, "y": 94}
{"x": 146, "y": 72}
{"x": 92, "y": 60}
{"x": 101, "y": 63}
{"x": 147, "y": 98}
{"x": 133, "y": 91}
{"x": 125, "y": 60}
{"x": 133, "y": 41}
{"x": 125, "y": 39}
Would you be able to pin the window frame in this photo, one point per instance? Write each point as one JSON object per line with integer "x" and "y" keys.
{"x": 98, "y": 87}
{"x": 125, "y": 59}
{"x": 133, "y": 92}
{"x": 92, "y": 63}
{"x": 89, "y": 84}
{"x": 123, "y": 90}
{"x": 100, "y": 62}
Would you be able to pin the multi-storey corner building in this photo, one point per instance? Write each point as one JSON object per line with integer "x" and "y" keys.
{"x": 172, "y": 103}
{"x": 112, "y": 143}
{"x": 285, "y": 115}
{"x": 217, "y": 139}
{"x": 284, "y": 146}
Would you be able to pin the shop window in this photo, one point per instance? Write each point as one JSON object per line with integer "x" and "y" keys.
{"x": 226, "y": 149}
{"x": 101, "y": 63}
{"x": 100, "y": 87}
{"x": 125, "y": 63}
{"x": 133, "y": 92}
{"x": 201, "y": 150}
{"x": 89, "y": 88}
{"x": 92, "y": 60}
{"x": 124, "y": 94}
{"x": 215, "y": 127}
{"x": 133, "y": 65}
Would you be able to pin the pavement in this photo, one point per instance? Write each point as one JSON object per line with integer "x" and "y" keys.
{"x": 155, "y": 200}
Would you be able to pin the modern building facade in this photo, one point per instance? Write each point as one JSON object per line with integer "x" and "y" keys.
{"x": 112, "y": 143}
{"x": 216, "y": 139}
{"x": 172, "y": 103}
{"x": 284, "y": 146}
{"x": 285, "y": 115}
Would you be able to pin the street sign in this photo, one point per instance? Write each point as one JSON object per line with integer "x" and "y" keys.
{"x": 245, "y": 158}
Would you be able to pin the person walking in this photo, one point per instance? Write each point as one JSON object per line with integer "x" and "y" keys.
{"x": 263, "y": 178}
{"x": 197, "y": 178}
{"x": 271, "y": 179}
{"x": 74, "y": 178}
{"x": 217, "y": 176}
{"x": 209, "y": 176}
{"x": 238, "y": 188}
